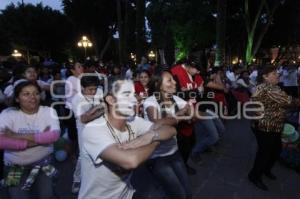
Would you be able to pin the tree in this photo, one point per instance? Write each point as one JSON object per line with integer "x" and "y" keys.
{"x": 102, "y": 19}
{"x": 264, "y": 18}
{"x": 126, "y": 26}
{"x": 182, "y": 25}
{"x": 285, "y": 29}
{"x": 221, "y": 32}
{"x": 30, "y": 29}
{"x": 140, "y": 29}
{"x": 95, "y": 18}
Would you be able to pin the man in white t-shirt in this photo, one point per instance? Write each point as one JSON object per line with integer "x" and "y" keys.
{"x": 114, "y": 145}
{"x": 87, "y": 105}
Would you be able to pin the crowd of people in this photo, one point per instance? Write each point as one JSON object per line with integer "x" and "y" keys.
{"x": 120, "y": 120}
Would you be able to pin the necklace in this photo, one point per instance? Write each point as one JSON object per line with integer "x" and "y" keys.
{"x": 131, "y": 134}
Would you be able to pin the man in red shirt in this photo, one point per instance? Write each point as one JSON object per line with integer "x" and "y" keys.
{"x": 189, "y": 84}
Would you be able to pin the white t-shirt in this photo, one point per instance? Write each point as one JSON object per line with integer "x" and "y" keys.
{"x": 167, "y": 147}
{"x": 129, "y": 74}
{"x": 9, "y": 90}
{"x": 242, "y": 83}
{"x": 72, "y": 87}
{"x": 101, "y": 179}
{"x": 280, "y": 73}
{"x": 290, "y": 77}
{"x": 253, "y": 77}
{"x": 20, "y": 122}
{"x": 81, "y": 105}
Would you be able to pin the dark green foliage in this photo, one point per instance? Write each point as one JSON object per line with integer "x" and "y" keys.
{"x": 40, "y": 30}
{"x": 186, "y": 24}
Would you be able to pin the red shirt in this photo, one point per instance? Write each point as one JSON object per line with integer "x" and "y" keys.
{"x": 142, "y": 92}
{"x": 140, "y": 89}
{"x": 185, "y": 81}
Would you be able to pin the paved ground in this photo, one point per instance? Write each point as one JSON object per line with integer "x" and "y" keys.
{"x": 223, "y": 174}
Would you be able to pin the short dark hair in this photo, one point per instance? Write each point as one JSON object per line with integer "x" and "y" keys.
{"x": 71, "y": 66}
{"x": 114, "y": 86}
{"x": 26, "y": 67}
{"x": 87, "y": 80}
{"x": 145, "y": 71}
{"x": 90, "y": 63}
{"x": 264, "y": 70}
{"x": 18, "y": 89}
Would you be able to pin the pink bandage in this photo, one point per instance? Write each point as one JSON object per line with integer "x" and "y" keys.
{"x": 47, "y": 137}
{"x": 12, "y": 144}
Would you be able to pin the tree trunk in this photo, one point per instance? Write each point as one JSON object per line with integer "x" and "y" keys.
{"x": 221, "y": 33}
{"x": 120, "y": 31}
{"x": 249, "y": 55}
{"x": 125, "y": 32}
{"x": 140, "y": 29}
{"x": 266, "y": 27}
{"x": 251, "y": 28}
{"x": 95, "y": 41}
{"x": 104, "y": 49}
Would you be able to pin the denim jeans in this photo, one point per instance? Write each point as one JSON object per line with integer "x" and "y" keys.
{"x": 207, "y": 132}
{"x": 41, "y": 189}
{"x": 145, "y": 185}
{"x": 171, "y": 174}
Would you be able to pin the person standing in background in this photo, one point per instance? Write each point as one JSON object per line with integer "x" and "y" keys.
{"x": 268, "y": 128}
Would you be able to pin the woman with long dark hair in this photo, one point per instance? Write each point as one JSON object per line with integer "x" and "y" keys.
{"x": 166, "y": 163}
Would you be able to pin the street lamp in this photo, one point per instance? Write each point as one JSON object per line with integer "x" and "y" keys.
{"x": 235, "y": 60}
{"x": 151, "y": 55}
{"x": 16, "y": 54}
{"x": 84, "y": 43}
{"x": 133, "y": 57}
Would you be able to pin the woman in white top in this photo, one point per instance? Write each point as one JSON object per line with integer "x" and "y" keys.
{"x": 72, "y": 87}
{"x": 26, "y": 136}
{"x": 242, "y": 92}
{"x": 163, "y": 107}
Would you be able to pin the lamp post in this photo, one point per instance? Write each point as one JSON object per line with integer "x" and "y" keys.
{"x": 84, "y": 43}
{"x": 151, "y": 55}
{"x": 16, "y": 54}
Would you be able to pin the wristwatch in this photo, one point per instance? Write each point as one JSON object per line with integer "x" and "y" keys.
{"x": 155, "y": 137}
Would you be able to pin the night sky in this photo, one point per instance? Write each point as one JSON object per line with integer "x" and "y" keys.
{"x": 55, "y": 4}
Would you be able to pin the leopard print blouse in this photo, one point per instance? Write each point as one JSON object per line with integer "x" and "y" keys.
{"x": 275, "y": 102}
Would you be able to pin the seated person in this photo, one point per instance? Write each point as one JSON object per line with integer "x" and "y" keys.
{"x": 114, "y": 145}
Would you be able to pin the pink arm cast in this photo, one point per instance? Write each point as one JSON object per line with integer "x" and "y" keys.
{"x": 47, "y": 137}
{"x": 12, "y": 144}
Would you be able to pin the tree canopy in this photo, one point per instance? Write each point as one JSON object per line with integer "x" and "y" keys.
{"x": 184, "y": 24}
{"x": 117, "y": 27}
{"x": 37, "y": 29}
